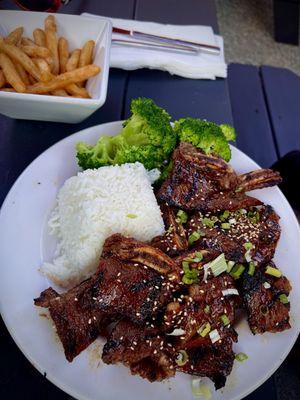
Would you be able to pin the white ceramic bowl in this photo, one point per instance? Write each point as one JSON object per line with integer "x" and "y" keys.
{"x": 77, "y": 30}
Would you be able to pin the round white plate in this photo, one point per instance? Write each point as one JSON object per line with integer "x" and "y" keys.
{"x": 23, "y": 247}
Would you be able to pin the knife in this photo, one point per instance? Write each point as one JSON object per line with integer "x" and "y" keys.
{"x": 174, "y": 42}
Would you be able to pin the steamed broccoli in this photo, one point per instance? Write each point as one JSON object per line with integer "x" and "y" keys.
{"x": 228, "y": 132}
{"x": 205, "y": 135}
{"x": 147, "y": 137}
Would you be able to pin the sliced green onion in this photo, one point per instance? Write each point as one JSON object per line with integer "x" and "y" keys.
{"x": 206, "y": 309}
{"x": 199, "y": 256}
{"x": 131, "y": 216}
{"x": 230, "y": 265}
{"x": 283, "y": 298}
{"x": 182, "y": 217}
{"x": 253, "y": 216}
{"x": 273, "y": 271}
{"x": 225, "y": 319}
{"x": 194, "y": 237}
{"x": 240, "y": 357}
{"x": 251, "y": 268}
{"x": 237, "y": 271}
{"x": 225, "y": 225}
{"x": 214, "y": 336}
{"x": 218, "y": 265}
{"x": 224, "y": 216}
{"x": 266, "y": 285}
{"x": 170, "y": 229}
{"x": 191, "y": 275}
{"x": 200, "y": 390}
{"x": 182, "y": 358}
{"x": 248, "y": 245}
{"x": 208, "y": 222}
{"x": 204, "y": 329}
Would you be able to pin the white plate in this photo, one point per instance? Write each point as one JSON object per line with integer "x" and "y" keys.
{"x": 22, "y": 248}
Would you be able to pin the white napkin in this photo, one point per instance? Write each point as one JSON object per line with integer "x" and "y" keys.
{"x": 201, "y": 66}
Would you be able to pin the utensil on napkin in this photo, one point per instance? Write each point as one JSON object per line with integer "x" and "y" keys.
{"x": 195, "y": 66}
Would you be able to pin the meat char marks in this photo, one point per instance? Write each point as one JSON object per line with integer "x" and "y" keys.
{"x": 127, "y": 284}
{"x": 207, "y": 183}
{"x": 152, "y": 352}
{"x": 224, "y": 232}
{"x": 261, "y": 295}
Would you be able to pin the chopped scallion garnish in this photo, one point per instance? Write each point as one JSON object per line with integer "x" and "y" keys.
{"x": 283, "y": 298}
{"x": 225, "y": 225}
{"x": 132, "y": 216}
{"x": 240, "y": 357}
{"x": 237, "y": 271}
{"x": 208, "y": 222}
{"x": 218, "y": 265}
{"x": 194, "y": 236}
{"x": 200, "y": 390}
{"x": 182, "y": 358}
{"x": 199, "y": 256}
{"x": 214, "y": 336}
{"x": 204, "y": 329}
{"x": 266, "y": 285}
{"x": 251, "y": 268}
{"x": 230, "y": 265}
{"x": 225, "y": 319}
{"x": 248, "y": 246}
{"x": 273, "y": 271}
{"x": 190, "y": 275}
{"x": 182, "y": 217}
{"x": 206, "y": 309}
{"x": 223, "y": 217}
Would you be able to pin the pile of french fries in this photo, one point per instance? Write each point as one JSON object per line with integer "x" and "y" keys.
{"x": 45, "y": 65}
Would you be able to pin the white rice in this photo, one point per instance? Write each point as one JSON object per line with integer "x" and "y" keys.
{"x": 92, "y": 206}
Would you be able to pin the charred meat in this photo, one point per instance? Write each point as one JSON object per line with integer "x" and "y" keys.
{"x": 207, "y": 183}
{"x": 143, "y": 350}
{"x": 263, "y": 301}
{"x": 229, "y": 232}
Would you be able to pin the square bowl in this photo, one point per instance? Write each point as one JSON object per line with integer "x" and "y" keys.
{"x": 77, "y": 30}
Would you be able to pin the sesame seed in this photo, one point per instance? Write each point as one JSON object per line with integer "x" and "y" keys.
{"x": 155, "y": 351}
{"x": 75, "y": 299}
{"x": 137, "y": 314}
{"x": 94, "y": 298}
{"x": 89, "y": 321}
{"x": 119, "y": 273}
{"x": 132, "y": 348}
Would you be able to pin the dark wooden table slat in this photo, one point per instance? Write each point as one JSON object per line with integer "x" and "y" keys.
{"x": 282, "y": 88}
{"x": 250, "y": 115}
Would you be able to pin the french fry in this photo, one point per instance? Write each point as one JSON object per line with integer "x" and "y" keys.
{"x": 25, "y": 41}
{"x": 60, "y": 92}
{"x": 32, "y": 80}
{"x": 39, "y": 37}
{"x": 73, "y": 61}
{"x": 44, "y": 68}
{"x": 75, "y": 90}
{"x": 63, "y": 53}
{"x": 86, "y": 56}
{"x": 2, "y": 79}
{"x": 51, "y": 41}
{"x": 18, "y": 55}
{"x": 15, "y": 36}
{"x": 11, "y": 74}
{"x": 61, "y": 81}
{"x": 23, "y": 74}
{"x": 36, "y": 51}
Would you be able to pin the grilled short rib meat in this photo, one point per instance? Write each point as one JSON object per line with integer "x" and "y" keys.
{"x": 266, "y": 313}
{"x": 143, "y": 349}
{"x": 174, "y": 240}
{"x": 258, "y": 226}
{"x": 205, "y": 303}
{"x": 78, "y": 323}
{"x": 133, "y": 280}
{"x": 207, "y": 183}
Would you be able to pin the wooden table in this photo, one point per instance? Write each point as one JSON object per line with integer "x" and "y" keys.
{"x": 21, "y": 141}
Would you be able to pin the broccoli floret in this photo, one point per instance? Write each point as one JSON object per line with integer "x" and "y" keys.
{"x": 205, "y": 135}
{"x": 147, "y": 137}
{"x": 228, "y": 132}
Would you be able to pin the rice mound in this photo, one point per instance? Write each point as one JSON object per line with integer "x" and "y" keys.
{"x": 94, "y": 205}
